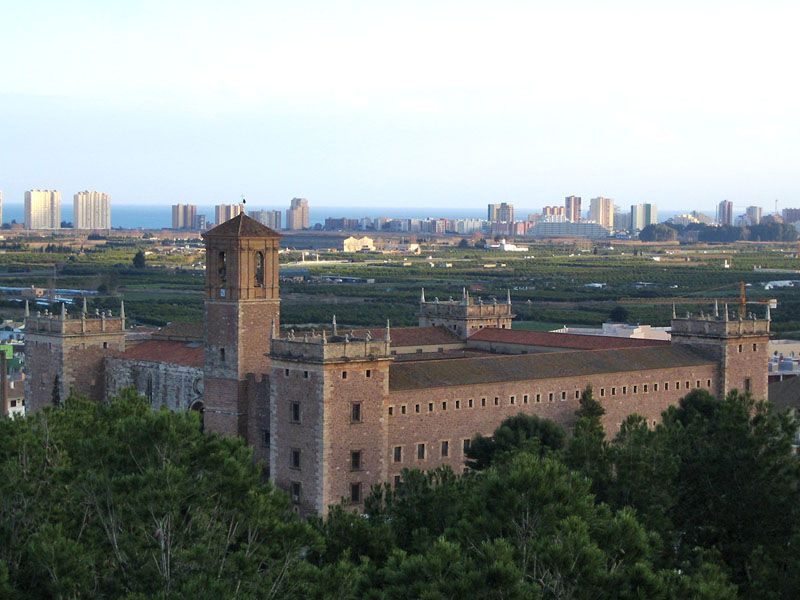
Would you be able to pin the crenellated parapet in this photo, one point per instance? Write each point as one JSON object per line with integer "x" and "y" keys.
{"x": 322, "y": 349}
{"x": 465, "y": 316}
{"x": 64, "y": 324}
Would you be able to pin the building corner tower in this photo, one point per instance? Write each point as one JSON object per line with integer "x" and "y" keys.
{"x": 242, "y": 308}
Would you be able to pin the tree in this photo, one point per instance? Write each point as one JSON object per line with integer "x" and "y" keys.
{"x": 660, "y": 232}
{"x": 520, "y": 432}
{"x": 139, "y": 260}
{"x": 463, "y": 243}
{"x": 618, "y": 314}
{"x": 587, "y": 451}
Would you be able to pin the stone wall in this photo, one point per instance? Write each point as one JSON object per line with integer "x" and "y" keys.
{"x": 176, "y": 387}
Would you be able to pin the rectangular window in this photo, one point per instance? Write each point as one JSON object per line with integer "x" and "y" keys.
{"x": 444, "y": 405}
{"x": 416, "y": 408}
{"x": 687, "y": 385}
{"x": 355, "y": 412}
{"x": 305, "y": 374}
{"x": 624, "y": 389}
{"x": 666, "y": 386}
{"x": 355, "y": 460}
{"x": 635, "y": 389}
{"x": 755, "y": 348}
{"x": 265, "y": 438}
{"x": 602, "y": 392}
{"x": 483, "y": 401}
{"x": 355, "y": 493}
{"x": 470, "y": 403}
{"x": 513, "y": 399}
{"x": 369, "y": 372}
{"x": 644, "y": 388}
{"x": 697, "y": 384}
{"x": 550, "y": 396}
{"x": 295, "y": 458}
{"x": 708, "y": 383}
{"x": 420, "y": 451}
{"x": 740, "y": 348}
{"x": 391, "y": 410}
{"x": 613, "y": 391}
{"x": 655, "y": 387}
{"x": 467, "y": 444}
{"x": 563, "y": 395}
{"x": 538, "y": 397}
{"x": 445, "y": 449}
{"x": 286, "y": 372}
{"x": 396, "y": 480}
{"x": 430, "y": 406}
{"x": 677, "y": 386}
{"x": 344, "y": 374}
{"x": 295, "y": 491}
{"x": 398, "y": 454}
{"x": 496, "y": 401}
{"x": 402, "y": 409}
{"x": 458, "y": 404}
{"x": 747, "y": 384}
{"x": 525, "y": 399}
{"x": 295, "y": 412}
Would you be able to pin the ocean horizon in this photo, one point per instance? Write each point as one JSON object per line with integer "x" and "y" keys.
{"x": 156, "y": 216}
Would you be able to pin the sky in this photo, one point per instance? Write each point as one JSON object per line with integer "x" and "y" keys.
{"x": 413, "y": 103}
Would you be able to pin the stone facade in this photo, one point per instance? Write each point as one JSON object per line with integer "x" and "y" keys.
{"x": 174, "y": 386}
{"x": 464, "y": 317}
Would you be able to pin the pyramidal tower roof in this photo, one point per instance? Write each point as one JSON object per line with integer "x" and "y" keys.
{"x": 241, "y": 226}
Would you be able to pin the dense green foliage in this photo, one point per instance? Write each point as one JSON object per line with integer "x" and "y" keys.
{"x": 118, "y": 501}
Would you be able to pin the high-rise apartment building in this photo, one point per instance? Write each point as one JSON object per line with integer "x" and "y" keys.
{"x": 297, "y": 214}
{"x": 601, "y": 211}
{"x": 725, "y": 212}
{"x": 753, "y": 215}
{"x": 643, "y": 215}
{"x": 225, "y": 212}
{"x": 572, "y": 208}
{"x": 500, "y": 213}
{"x": 270, "y": 218}
{"x": 183, "y": 216}
{"x": 91, "y": 210}
{"x": 791, "y": 215}
{"x": 42, "y": 209}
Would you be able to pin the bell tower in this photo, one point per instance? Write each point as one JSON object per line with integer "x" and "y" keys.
{"x": 242, "y": 307}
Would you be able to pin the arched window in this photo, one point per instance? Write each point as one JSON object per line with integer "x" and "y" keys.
{"x": 259, "y": 274}
{"x": 222, "y": 267}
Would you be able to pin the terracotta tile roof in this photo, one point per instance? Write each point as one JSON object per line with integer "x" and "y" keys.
{"x": 167, "y": 351}
{"x": 241, "y": 226}
{"x": 560, "y": 340}
{"x": 522, "y": 367}
{"x": 412, "y": 336}
{"x": 180, "y": 331}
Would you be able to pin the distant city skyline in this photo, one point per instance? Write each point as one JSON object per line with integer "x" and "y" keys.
{"x": 409, "y": 104}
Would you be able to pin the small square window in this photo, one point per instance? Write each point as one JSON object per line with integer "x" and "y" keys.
{"x": 355, "y": 460}
{"x": 445, "y": 449}
{"x": 295, "y": 412}
{"x": 294, "y": 460}
{"x": 344, "y": 374}
{"x": 420, "y": 451}
{"x": 355, "y": 493}
{"x": 398, "y": 454}
{"x": 467, "y": 444}
{"x": 355, "y": 412}
{"x": 105, "y": 345}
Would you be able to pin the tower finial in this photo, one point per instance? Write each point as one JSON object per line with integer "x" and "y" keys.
{"x": 716, "y": 308}
{"x": 674, "y": 314}
{"x": 464, "y": 294}
{"x": 388, "y": 336}
{"x": 272, "y": 330}
{"x": 84, "y": 309}
{"x": 422, "y": 296}
{"x": 122, "y": 312}
{"x": 508, "y": 297}
{"x": 726, "y": 312}
{"x": 63, "y": 311}
{"x": 334, "y": 328}
{"x": 27, "y": 309}
{"x": 768, "y": 316}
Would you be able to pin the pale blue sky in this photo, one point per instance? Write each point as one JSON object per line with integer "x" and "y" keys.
{"x": 402, "y": 103}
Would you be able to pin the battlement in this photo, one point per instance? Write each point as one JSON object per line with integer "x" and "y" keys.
{"x": 466, "y": 316}
{"x": 719, "y": 327}
{"x": 319, "y": 348}
{"x": 63, "y": 324}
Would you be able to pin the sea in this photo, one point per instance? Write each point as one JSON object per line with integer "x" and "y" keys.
{"x": 155, "y": 216}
